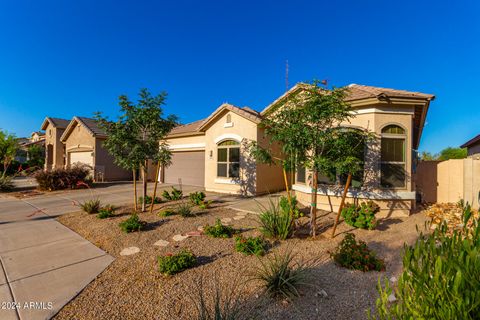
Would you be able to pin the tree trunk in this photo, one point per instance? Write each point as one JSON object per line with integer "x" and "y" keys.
{"x": 313, "y": 205}
{"x": 288, "y": 191}
{"x": 144, "y": 185}
{"x": 155, "y": 186}
{"x": 344, "y": 195}
{"x": 134, "y": 189}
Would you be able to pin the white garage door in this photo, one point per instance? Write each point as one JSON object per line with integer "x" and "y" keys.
{"x": 84, "y": 157}
{"x": 189, "y": 167}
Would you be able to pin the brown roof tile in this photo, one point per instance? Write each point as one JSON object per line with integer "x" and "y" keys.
{"x": 191, "y": 127}
{"x": 357, "y": 92}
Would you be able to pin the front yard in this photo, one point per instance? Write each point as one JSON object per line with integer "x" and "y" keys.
{"x": 133, "y": 288}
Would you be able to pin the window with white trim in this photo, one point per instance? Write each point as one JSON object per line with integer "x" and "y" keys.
{"x": 228, "y": 159}
{"x": 393, "y": 158}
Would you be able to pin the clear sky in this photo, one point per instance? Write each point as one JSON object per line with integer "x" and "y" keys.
{"x": 65, "y": 58}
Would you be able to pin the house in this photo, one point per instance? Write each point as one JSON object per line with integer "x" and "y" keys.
{"x": 54, "y": 148}
{"x": 211, "y": 152}
{"x": 473, "y": 147}
{"x": 82, "y": 140}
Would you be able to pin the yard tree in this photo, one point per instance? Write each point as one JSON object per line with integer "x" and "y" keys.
{"x": 452, "y": 153}
{"x": 8, "y": 150}
{"x": 36, "y": 157}
{"x": 303, "y": 126}
{"x": 136, "y": 137}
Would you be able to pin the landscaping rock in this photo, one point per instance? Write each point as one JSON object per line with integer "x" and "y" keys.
{"x": 161, "y": 243}
{"x": 392, "y": 298}
{"x": 193, "y": 234}
{"x": 238, "y": 217}
{"x": 226, "y": 220}
{"x": 200, "y": 228}
{"x": 179, "y": 237}
{"x": 129, "y": 251}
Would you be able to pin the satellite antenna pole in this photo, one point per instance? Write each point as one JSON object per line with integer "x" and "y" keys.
{"x": 286, "y": 76}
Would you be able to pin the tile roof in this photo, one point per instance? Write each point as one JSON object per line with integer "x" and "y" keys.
{"x": 187, "y": 128}
{"x": 471, "y": 142}
{"x": 245, "y": 112}
{"x": 357, "y": 92}
{"x": 59, "y": 122}
{"x": 92, "y": 125}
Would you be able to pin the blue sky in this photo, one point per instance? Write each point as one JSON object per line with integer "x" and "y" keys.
{"x": 66, "y": 58}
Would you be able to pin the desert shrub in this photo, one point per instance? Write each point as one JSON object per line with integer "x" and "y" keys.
{"x": 275, "y": 222}
{"x": 441, "y": 276}
{"x": 197, "y": 198}
{"x": 218, "y": 230}
{"x": 172, "y": 264}
{"x": 6, "y": 183}
{"x": 356, "y": 255}
{"x": 174, "y": 195}
{"x": 131, "y": 224}
{"x": 185, "y": 209}
{"x": 285, "y": 206}
{"x": 148, "y": 200}
{"x": 251, "y": 245}
{"x": 282, "y": 276}
{"x": 106, "y": 211}
{"x": 166, "y": 213}
{"x": 91, "y": 206}
{"x": 362, "y": 216}
{"x": 205, "y": 204}
{"x": 58, "y": 179}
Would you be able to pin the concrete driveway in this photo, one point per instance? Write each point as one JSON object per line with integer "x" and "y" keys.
{"x": 43, "y": 264}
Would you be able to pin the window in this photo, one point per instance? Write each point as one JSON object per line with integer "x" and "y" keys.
{"x": 228, "y": 159}
{"x": 301, "y": 174}
{"x": 229, "y": 118}
{"x": 392, "y": 161}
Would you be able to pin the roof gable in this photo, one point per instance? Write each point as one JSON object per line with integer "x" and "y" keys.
{"x": 471, "y": 142}
{"x": 55, "y": 122}
{"x": 90, "y": 124}
{"x": 244, "y": 112}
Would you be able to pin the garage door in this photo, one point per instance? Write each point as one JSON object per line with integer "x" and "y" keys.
{"x": 84, "y": 157}
{"x": 187, "y": 166}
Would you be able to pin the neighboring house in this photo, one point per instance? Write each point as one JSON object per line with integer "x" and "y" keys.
{"x": 473, "y": 147}
{"x": 54, "y": 148}
{"x": 83, "y": 140}
{"x": 211, "y": 152}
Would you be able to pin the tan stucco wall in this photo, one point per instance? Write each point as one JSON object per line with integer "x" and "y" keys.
{"x": 471, "y": 189}
{"x": 194, "y": 142}
{"x": 450, "y": 181}
{"x": 79, "y": 139}
{"x": 52, "y": 137}
{"x": 245, "y": 130}
{"x": 105, "y": 162}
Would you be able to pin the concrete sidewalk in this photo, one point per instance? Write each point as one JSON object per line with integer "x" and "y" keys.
{"x": 43, "y": 264}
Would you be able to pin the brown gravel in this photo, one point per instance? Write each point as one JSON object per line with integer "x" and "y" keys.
{"x": 132, "y": 288}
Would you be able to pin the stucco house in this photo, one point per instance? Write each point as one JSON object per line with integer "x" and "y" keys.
{"x": 211, "y": 152}
{"x": 82, "y": 140}
{"x": 473, "y": 147}
{"x": 54, "y": 148}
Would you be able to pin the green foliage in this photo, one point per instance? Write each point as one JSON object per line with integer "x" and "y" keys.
{"x": 106, "y": 211}
{"x": 148, "y": 200}
{"x": 285, "y": 206}
{"x": 205, "y": 204}
{"x": 275, "y": 222}
{"x": 166, "y": 213}
{"x": 8, "y": 150}
{"x": 441, "y": 276}
{"x": 251, "y": 245}
{"x": 57, "y": 179}
{"x": 355, "y": 255}
{"x": 362, "y": 216}
{"x": 185, "y": 209}
{"x": 6, "y": 183}
{"x": 36, "y": 156}
{"x": 197, "y": 198}
{"x": 91, "y": 206}
{"x": 174, "y": 195}
{"x": 281, "y": 275}
{"x": 133, "y": 223}
{"x": 428, "y": 156}
{"x": 172, "y": 264}
{"x": 218, "y": 230}
{"x": 452, "y": 153}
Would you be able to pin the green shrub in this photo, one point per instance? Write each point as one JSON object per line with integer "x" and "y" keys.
{"x": 70, "y": 178}
{"x": 251, "y": 245}
{"x": 205, "y": 204}
{"x": 131, "y": 224}
{"x": 362, "y": 216}
{"x": 285, "y": 206}
{"x": 172, "y": 264}
{"x": 166, "y": 213}
{"x": 275, "y": 222}
{"x": 441, "y": 276}
{"x": 356, "y": 255}
{"x": 218, "y": 230}
{"x": 174, "y": 195}
{"x": 106, "y": 212}
{"x": 185, "y": 209}
{"x": 281, "y": 276}
{"x": 148, "y": 200}
{"x": 91, "y": 206}
{"x": 197, "y": 198}
{"x": 6, "y": 183}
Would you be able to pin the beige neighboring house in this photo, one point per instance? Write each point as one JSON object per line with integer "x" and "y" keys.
{"x": 211, "y": 152}
{"x": 54, "y": 148}
{"x": 83, "y": 140}
{"x": 473, "y": 147}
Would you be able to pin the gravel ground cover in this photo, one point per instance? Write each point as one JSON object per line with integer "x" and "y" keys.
{"x": 132, "y": 288}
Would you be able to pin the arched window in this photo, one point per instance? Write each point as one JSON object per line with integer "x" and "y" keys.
{"x": 228, "y": 159}
{"x": 393, "y": 158}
